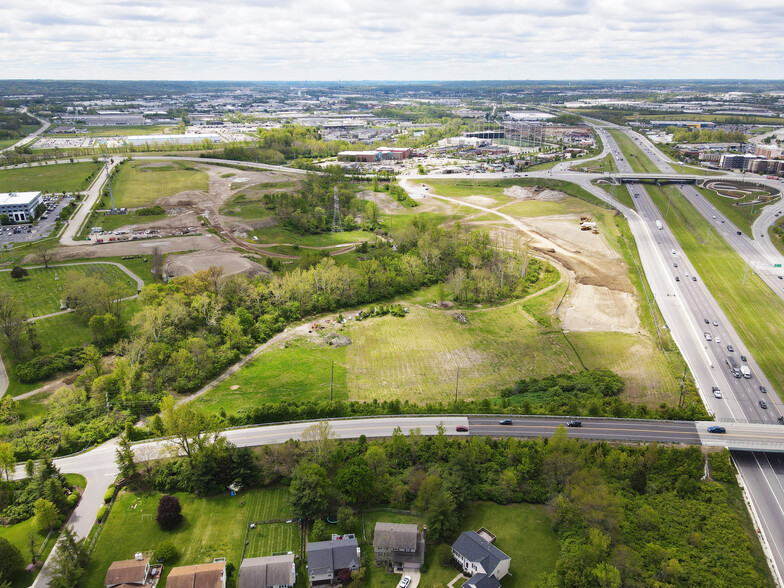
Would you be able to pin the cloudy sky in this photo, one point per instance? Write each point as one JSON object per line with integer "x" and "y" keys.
{"x": 391, "y": 39}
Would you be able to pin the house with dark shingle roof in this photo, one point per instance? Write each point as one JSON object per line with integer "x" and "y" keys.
{"x": 326, "y": 559}
{"x": 480, "y": 559}
{"x": 399, "y": 545}
{"x": 129, "y": 572}
{"x": 275, "y": 571}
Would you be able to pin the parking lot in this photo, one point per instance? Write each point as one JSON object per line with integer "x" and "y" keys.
{"x": 26, "y": 232}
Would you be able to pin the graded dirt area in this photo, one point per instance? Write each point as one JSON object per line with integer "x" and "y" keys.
{"x": 185, "y": 264}
{"x": 527, "y": 193}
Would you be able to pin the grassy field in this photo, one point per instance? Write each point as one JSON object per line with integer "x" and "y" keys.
{"x": 619, "y": 192}
{"x": 605, "y": 164}
{"x": 639, "y": 161}
{"x": 140, "y": 183}
{"x": 755, "y": 311}
{"x": 54, "y": 334}
{"x": 24, "y": 130}
{"x": 249, "y": 202}
{"x": 213, "y": 527}
{"x": 695, "y": 170}
{"x": 534, "y": 208}
{"x": 741, "y": 216}
{"x": 110, "y": 222}
{"x": 278, "y": 234}
{"x": 62, "y": 177}
{"x": 523, "y": 531}
{"x": 41, "y": 292}
{"x": 776, "y": 238}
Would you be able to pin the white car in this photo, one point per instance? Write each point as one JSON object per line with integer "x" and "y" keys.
{"x": 718, "y": 339}
{"x": 404, "y": 582}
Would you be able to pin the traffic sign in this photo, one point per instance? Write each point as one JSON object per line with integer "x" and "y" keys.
{"x": 776, "y": 265}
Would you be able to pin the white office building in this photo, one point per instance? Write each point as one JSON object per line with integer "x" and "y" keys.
{"x": 19, "y": 206}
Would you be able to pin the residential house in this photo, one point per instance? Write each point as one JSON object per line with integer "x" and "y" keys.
{"x": 399, "y": 545}
{"x": 275, "y": 571}
{"x": 480, "y": 559}
{"x": 212, "y": 575}
{"x": 129, "y": 572}
{"x": 327, "y": 559}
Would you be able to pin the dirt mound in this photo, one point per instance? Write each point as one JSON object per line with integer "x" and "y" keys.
{"x": 190, "y": 198}
{"x": 232, "y": 263}
{"x": 338, "y": 340}
{"x": 535, "y": 193}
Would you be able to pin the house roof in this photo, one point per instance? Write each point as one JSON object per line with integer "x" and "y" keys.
{"x": 336, "y": 554}
{"x": 128, "y": 571}
{"x": 477, "y": 549}
{"x": 263, "y": 572}
{"x": 395, "y": 536}
{"x": 482, "y": 581}
{"x": 198, "y": 576}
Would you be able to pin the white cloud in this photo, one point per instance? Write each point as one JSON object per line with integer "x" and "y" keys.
{"x": 407, "y": 39}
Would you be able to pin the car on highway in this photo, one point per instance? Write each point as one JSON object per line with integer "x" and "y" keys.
{"x": 708, "y": 337}
{"x": 739, "y": 233}
{"x": 505, "y": 422}
{"x": 715, "y": 323}
{"x": 461, "y": 428}
{"x": 574, "y": 424}
{"x": 730, "y": 348}
{"x": 716, "y": 392}
{"x": 687, "y": 274}
{"x": 677, "y": 279}
{"x": 716, "y": 429}
{"x": 674, "y": 252}
{"x": 718, "y": 339}
{"x": 763, "y": 404}
{"x": 707, "y": 322}
{"x": 743, "y": 358}
{"x": 781, "y": 420}
{"x": 694, "y": 278}
{"x": 675, "y": 264}
{"x": 763, "y": 389}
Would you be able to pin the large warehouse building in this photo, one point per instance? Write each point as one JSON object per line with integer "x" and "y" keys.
{"x": 19, "y": 206}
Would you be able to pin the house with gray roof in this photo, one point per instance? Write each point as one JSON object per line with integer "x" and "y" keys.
{"x": 399, "y": 546}
{"x": 326, "y": 559}
{"x": 275, "y": 571}
{"x": 480, "y": 559}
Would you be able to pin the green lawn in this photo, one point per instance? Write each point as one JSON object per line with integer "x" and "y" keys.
{"x": 777, "y": 238}
{"x": 754, "y": 309}
{"x": 41, "y": 292}
{"x": 695, "y": 170}
{"x": 605, "y": 164}
{"x": 249, "y": 201}
{"x": 619, "y": 192}
{"x": 111, "y": 222}
{"x": 523, "y": 531}
{"x": 139, "y": 183}
{"x": 62, "y": 177}
{"x": 18, "y": 535}
{"x": 533, "y": 208}
{"x": 212, "y": 527}
{"x": 115, "y": 131}
{"x": 273, "y": 539}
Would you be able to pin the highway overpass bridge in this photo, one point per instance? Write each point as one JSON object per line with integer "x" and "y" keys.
{"x": 659, "y": 178}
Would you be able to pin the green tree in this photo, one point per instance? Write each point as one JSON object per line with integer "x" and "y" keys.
{"x": 70, "y": 561}
{"x": 18, "y": 272}
{"x": 12, "y": 322}
{"x": 190, "y": 428}
{"x": 7, "y": 459}
{"x": 124, "y": 458}
{"x": 443, "y": 519}
{"x": 355, "y": 481}
{"x": 46, "y": 515}
{"x": 320, "y": 531}
{"x": 166, "y": 551}
{"x": 309, "y": 490}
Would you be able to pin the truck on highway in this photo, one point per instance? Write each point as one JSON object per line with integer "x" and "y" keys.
{"x": 659, "y": 225}
{"x": 744, "y": 369}
{"x": 733, "y": 366}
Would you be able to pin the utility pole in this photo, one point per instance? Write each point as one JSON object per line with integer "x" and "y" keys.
{"x": 457, "y": 383}
{"x": 109, "y": 181}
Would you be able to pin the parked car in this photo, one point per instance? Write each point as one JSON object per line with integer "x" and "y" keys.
{"x": 763, "y": 404}
{"x": 574, "y": 424}
{"x": 461, "y": 428}
{"x": 716, "y": 429}
{"x": 505, "y": 422}
{"x": 404, "y": 582}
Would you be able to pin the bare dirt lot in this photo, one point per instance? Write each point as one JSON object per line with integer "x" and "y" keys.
{"x": 232, "y": 263}
{"x": 526, "y": 193}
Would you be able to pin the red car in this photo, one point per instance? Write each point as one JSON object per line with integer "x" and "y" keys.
{"x": 461, "y": 428}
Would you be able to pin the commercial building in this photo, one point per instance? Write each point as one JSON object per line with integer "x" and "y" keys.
{"x": 19, "y": 206}
{"x": 688, "y": 124}
{"x": 766, "y": 166}
{"x": 736, "y": 160}
{"x": 380, "y": 154}
{"x": 768, "y": 151}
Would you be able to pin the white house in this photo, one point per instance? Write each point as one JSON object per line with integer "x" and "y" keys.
{"x": 483, "y": 561}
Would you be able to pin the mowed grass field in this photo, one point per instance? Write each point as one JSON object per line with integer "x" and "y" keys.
{"x": 523, "y": 531}
{"x": 139, "y": 183}
{"x": 416, "y": 358}
{"x": 639, "y": 161}
{"x": 212, "y": 527}
{"x": 41, "y": 292}
{"x": 741, "y": 216}
{"x": 754, "y": 309}
{"x": 281, "y": 235}
{"x": 61, "y": 177}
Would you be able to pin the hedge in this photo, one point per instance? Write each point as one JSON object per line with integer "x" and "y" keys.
{"x": 101, "y": 512}
{"x": 110, "y": 493}
{"x": 46, "y": 366}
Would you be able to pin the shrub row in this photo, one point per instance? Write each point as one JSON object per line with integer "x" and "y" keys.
{"x": 46, "y": 366}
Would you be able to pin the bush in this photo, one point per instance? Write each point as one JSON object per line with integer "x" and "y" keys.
{"x": 169, "y": 512}
{"x": 320, "y": 531}
{"x": 110, "y": 493}
{"x": 166, "y": 551}
{"x": 721, "y": 468}
{"x": 151, "y": 211}
{"x": 101, "y": 513}
{"x": 46, "y": 366}
{"x": 11, "y": 560}
{"x": 444, "y": 554}
{"x": 72, "y": 499}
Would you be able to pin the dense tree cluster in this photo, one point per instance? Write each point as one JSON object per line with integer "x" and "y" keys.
{"x": 277, "y": 146}
{"x": 11, "y": 123}
{"x": 43, "y": 492}
{"x": 680, "y": 135}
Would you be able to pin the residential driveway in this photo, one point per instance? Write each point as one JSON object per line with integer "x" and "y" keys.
{"x": 415, "y": 575}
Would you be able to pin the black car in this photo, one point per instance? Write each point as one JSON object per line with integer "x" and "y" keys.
{"x": 763, "y": 404}
{"x": 781, "y": 420}
{"x": 716, "y": 429}
{"x": 707, "y": 322}
{"x": 743, "y": 358}
{"x": 739, "y": 232}
{"x": 730, "y": 348}
{"x": 763, "y": 389}
{"x": 505, "y": 422}
{"x": 574, "y": 424}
